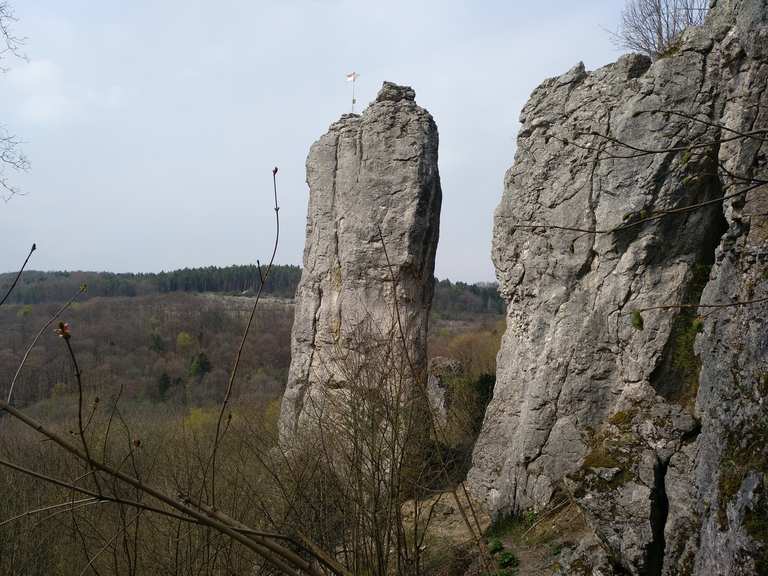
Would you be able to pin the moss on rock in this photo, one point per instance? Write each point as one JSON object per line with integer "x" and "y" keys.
{"x": 745, "y": 452}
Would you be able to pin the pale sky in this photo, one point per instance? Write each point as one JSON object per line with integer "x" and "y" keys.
{"x": 152, "y": 126}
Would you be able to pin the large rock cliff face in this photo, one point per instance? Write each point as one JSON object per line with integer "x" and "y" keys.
{"x": 658, "y": 431}
{"x": 370, "y": 174}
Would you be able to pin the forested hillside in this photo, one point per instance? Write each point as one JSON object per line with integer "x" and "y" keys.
{"x": 161, "y": 348}
{"x": 173, "y": 346}
{"x": 37, "y": 287}
{"x": 165, "y": 359}
{"x": 451, "y": 298}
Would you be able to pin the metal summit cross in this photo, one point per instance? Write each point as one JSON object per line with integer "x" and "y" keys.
{"x": 352, "y": 77}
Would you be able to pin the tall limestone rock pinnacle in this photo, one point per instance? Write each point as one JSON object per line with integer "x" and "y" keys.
{"x": 372, "y": 173}
{"x": 658, "y": 431}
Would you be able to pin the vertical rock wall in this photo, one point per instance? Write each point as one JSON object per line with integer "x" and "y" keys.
{"x": 731, "y": 465}
{"x": 376, "y": 171}
{"x": 659, "y": 434}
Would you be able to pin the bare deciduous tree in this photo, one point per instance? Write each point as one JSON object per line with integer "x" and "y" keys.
{"x": 11, "y": 43}
{"x": 653, "y": 26}
{"x": 358, "y": 493}
{"x": 11, "y": 156}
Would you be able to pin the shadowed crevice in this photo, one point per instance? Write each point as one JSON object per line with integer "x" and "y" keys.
{"x": 654, "y": 559}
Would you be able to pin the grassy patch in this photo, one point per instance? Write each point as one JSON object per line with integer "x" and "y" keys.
{"x": 600, "y": 457}
{"x": 503, "y": 525}
{"x": 670, "y": 50}
{"x": 610, "y": 450}
{"x": 762, "y": 385}
{"x": 745, "y": 452}
{"x": 756, "y": 521}
{"x": 531, "y": 542}
{"x": 676, "y": 377}
{"x": 756, "y": 525}
{"x": 622, "y": 419}
{"x": 507, "y": 560}
{"x": 495, "y": 546}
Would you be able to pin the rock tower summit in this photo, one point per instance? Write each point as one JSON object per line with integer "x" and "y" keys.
{"x": 373, "y": 183}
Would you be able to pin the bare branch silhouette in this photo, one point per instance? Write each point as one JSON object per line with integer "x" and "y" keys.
{"x": 83, "y": 288}
{"x": 233, "y": 374}
{"x": 11, "y": 155}
{"x": 653, "y": 27}
{"x": 18, "y": 276}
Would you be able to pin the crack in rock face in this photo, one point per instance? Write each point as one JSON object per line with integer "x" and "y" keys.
{"x": 658, "y": 433}
{"x": 374, "y": 215}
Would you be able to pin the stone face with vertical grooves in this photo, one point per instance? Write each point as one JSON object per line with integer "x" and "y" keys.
{"x": 376, "y": 171}
{"x": 663, "y": 444}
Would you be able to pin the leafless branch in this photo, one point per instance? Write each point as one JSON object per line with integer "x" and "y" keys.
{"x": 420, "y": 381}
{"x": 27, "y": 513}
{"x": 653, "y": 27}
{"x": 42, "y": 330}
{"x": 110, "y": 542}
{"x": 644, "y": 220}
{"x": 281, "y": 557}
{"x": 736, "y": 304}
{"x": 66, "y": 336}
{"x": 11, "y": 155}
{"x": 265, "y": 545}
{"x": 233, "y": 374}
{"x": 10, "y": 43}
{"x": 18, "y": 276}
{"x": 13, "y": 159}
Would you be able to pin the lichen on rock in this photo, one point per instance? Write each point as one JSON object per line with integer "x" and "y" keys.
{"x": 374, "y": 213}
{"x": 635, "y": 423}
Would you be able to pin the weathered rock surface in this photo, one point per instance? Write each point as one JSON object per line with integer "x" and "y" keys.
{"x": 661, "y": 442}
{"x": 441, "y": 371}
{"x": 376, "y": 171}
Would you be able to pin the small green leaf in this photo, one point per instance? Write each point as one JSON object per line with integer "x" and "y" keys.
{"x": 637, "y": 320}
{"x": 698, "y": 325}
{"x": 495, "y": 546}
{"x": 507, "y": 559}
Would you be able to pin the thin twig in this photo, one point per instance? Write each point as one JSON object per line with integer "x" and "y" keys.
{"x": 112, "y": 412}
{"x": 546, "y": 514}
{"x": 109, "y": 543}
{"x": 80, "y": 427}
{"x": 95, "y": 495}
{"x": 752, "y": 134}
{"x": 431, "y": 418}
{"x": 233, "y": 374}
{"x": 28, "y": 513}
{"x": 640, "y": 152}
{"x": 279, "y": 556}
{"x": 657, "y": 216}
{"x": 18, "y": 276}
{"x": 45, "y": 327}
{"x": 694, "y": 306}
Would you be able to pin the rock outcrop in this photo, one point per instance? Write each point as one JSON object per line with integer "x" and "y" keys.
{"x": 374, "y": 214}
{"x": 654, "y": 422}
{"x": 441, "y": 371}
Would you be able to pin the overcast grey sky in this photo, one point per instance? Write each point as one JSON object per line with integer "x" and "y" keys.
{"x": 153, "y": 126}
